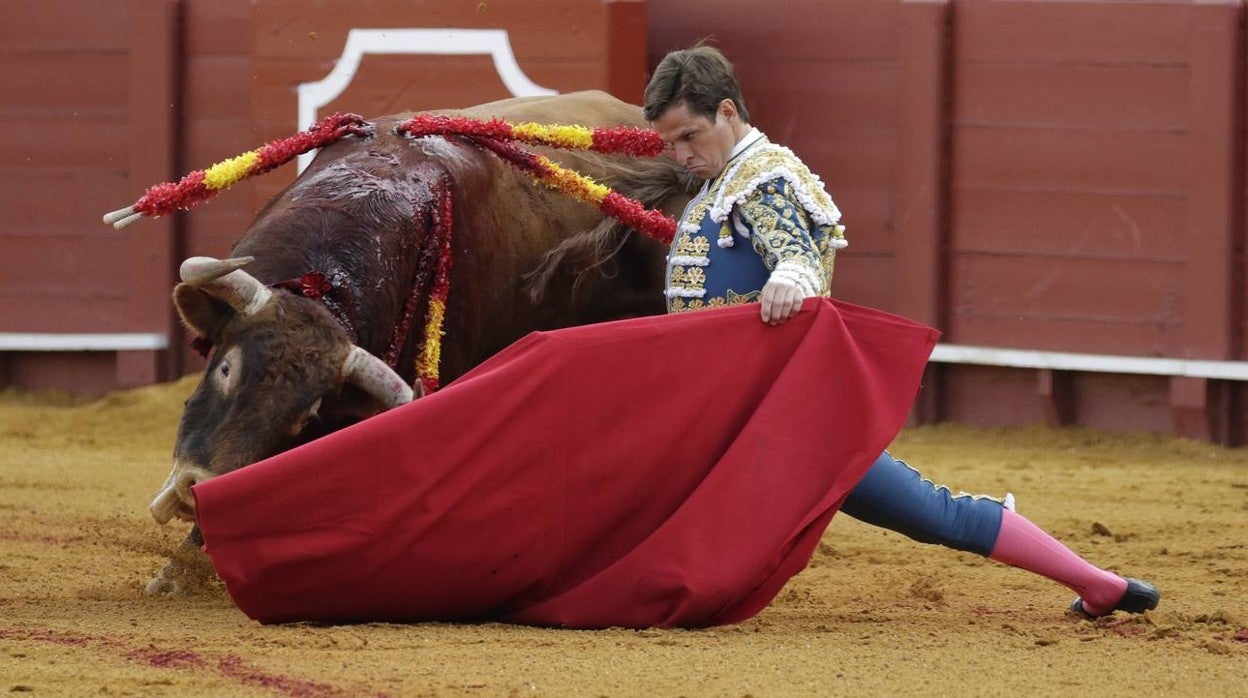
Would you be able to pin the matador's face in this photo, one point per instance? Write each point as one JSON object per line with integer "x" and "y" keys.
{"x": 700, "y": 144}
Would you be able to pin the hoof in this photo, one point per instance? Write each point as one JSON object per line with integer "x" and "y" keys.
{"x": 160, "y": 585}
{"x": 187, "y": 573}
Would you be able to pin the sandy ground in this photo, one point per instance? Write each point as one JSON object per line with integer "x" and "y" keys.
{"x": 875, "y": 614}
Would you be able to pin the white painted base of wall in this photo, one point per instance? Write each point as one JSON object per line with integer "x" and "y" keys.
{"x": 96, "y": 341}
{"x": 1093, "y": 363}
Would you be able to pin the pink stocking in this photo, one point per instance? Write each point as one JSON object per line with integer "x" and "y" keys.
{"x": 1023, "y": 544}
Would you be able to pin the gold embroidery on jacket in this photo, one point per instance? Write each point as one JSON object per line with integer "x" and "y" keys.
{"x": 692, "y": 245}
{"x": 680, "y": 305}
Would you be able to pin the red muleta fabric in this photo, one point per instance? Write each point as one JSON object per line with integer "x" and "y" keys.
{"x": 664, "y": 471}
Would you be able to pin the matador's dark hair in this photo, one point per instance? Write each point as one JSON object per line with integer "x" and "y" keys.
{"x": 699, "y": 76}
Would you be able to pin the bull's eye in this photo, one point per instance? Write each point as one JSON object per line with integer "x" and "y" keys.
{"x": 223, "y": 377}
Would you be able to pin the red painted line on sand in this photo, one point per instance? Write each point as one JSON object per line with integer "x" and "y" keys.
{"x": 230, "y": 666}
{"x": 166, "y": 659}
{"x": 44, "y": 636}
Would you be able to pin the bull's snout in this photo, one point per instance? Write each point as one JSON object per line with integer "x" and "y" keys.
{"x": 175, "y": 499}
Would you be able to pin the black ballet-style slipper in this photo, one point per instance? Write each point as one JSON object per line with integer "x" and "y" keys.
{"x": 1139, "y": 597}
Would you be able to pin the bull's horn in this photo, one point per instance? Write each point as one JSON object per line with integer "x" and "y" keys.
{"x": 372, "y": 375}
{"x": 225, "y": 279}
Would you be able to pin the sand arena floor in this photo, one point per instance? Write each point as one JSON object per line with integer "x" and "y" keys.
{"x": 874, "y": 614}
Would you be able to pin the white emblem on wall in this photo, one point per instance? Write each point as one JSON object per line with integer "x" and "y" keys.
{"x": 455, "y": 42}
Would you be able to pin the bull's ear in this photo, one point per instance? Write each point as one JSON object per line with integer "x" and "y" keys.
{"x": 200, "y": 312}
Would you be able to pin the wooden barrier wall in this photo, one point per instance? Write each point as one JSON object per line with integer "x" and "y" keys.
{"x": 1092, "y": 166}
{"x": 1056, "y": 176}
{"x": 87, "y": 92}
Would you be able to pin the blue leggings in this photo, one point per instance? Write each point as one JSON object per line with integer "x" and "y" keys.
{"x": 895, "y": 496}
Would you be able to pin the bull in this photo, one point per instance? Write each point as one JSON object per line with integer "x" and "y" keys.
{"x": 286, "y": 368}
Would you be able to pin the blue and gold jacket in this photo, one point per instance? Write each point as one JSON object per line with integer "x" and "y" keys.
{"x": 769, "y": 199}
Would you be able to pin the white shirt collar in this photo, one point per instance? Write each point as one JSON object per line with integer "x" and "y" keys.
{"x": 750, "y": 138}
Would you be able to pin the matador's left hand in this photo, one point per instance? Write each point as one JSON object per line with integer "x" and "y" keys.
{"x": 779, "y": 301}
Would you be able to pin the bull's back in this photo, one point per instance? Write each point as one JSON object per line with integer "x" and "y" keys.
{"x": 587, "y": 108}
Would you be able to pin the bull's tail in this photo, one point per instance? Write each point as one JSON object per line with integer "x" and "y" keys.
{"x": 610, "y": 265}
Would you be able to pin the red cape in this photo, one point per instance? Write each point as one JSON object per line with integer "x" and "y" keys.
{"x": 664, "y": 471}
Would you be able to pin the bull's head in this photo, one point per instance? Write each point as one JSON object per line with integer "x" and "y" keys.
{"x": 275, "y": 357}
